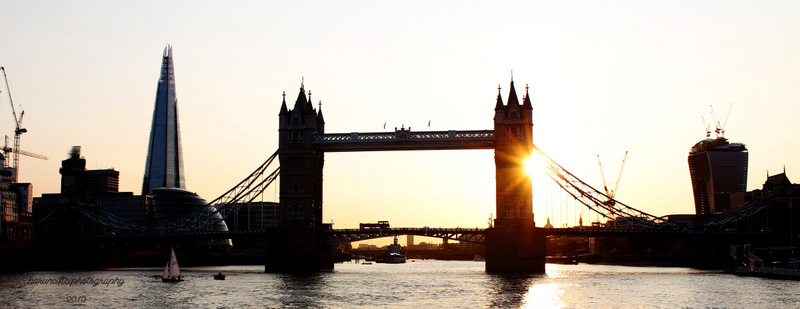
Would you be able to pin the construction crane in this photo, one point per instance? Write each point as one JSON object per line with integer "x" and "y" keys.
{"x": 611, "y": 193}
{"x": 18, "y": 130}
{"x": 720, "y": 128}
{"x": 706, "y": 126}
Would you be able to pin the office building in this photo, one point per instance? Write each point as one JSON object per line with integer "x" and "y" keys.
{"x": 719, "y": 175}
{"x": 164, "y": 164}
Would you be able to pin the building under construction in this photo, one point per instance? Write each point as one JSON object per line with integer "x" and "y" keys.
{"x": 719, "y": 175}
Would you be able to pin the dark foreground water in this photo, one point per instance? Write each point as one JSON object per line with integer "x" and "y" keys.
{"x": 417, "y": 284}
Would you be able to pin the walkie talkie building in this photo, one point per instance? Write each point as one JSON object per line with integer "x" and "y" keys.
{"x": 719, "y": 171}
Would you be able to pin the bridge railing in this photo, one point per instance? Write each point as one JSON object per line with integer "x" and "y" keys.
{"x": 403, "y": 135}
{"x": 476, "y": 235}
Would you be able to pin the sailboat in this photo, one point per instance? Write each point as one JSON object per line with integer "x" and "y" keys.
{"x": 171, "y": 272}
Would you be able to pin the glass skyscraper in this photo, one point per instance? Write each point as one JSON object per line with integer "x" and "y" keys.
{"x": 719, "y": 172}
{"x": 164, "y": 167}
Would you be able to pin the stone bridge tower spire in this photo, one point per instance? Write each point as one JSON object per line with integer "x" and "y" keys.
{"x": 299, "y": 243}
{"x": 301, "y": 164}
{"x": 513, "y": 126}
{"x": 514, "y": 244}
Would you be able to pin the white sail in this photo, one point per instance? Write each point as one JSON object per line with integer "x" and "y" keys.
{"x": 174, "y": 271}
{"x": 166, "y": 271}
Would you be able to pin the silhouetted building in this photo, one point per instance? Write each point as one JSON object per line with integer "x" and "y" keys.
{"x": 16, "y": 224}
{"x": 301, "y": 163}
{"x": 513, "y": 126}
{"x": 102, "y": 181}
{"x": 781, "y": 195}
{"x": 719, "y": 175}
{"x": 91, "y": 190}
{"x": 254, "y": 216}
{"x": 164, "y": 165}
{"x": 7, "y": 173}
{"x": 72, "y": 170}
{"x": 170, "y": 204}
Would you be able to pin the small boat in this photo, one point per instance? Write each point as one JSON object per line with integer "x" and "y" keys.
{"x": 171, "y": 272}
{"x": 219, "y": 276}
{"x": 366, "y": 263}
{"x": 394, "y": 255}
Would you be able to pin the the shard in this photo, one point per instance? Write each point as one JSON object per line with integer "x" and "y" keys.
{"x": 164, "y": 167}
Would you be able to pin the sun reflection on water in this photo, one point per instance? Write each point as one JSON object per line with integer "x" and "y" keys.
{"x": 544, "y": 295}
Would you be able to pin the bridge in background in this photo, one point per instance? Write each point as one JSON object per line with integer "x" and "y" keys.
{"x": 304, "y": 243}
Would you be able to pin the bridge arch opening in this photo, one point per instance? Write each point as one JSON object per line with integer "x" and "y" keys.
{"x": 409, "y": 188}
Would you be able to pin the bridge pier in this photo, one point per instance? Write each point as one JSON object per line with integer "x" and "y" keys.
{"x": 515, "y": 249}
{"x": 298, "y": 250}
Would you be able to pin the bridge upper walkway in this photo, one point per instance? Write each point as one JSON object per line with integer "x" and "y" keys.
{"x": 405, "y": 139}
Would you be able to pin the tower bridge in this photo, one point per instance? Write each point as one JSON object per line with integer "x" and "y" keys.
{"x": 302, "y": 242}
{"x": 511, "y": 245}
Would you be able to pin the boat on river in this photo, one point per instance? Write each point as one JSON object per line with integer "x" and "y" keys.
{"x": 172, "y": 273}
{"x": 394, "y": 255}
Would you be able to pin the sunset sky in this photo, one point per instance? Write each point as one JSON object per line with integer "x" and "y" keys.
{"x": 605, "y": 77}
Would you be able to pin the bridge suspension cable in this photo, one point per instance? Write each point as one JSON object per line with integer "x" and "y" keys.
{"x": 230, "y": 202}
{"x": 227, "y": 204}
{"x": 597, "y": 201}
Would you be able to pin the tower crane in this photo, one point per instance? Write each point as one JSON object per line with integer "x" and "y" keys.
{"x": 18, "y": 130}
{"x": 720, "y": 128}
{"x": 613, "y": 192}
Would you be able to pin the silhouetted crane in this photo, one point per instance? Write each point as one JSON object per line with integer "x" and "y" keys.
{"x": 611, "y": 193}
{"x": 18, "y": 130}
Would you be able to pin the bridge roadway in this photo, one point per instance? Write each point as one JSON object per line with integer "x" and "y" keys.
{"x": 471, "y": 235}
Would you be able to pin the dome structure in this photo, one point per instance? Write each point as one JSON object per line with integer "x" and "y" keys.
{"x": 170, "y": 204}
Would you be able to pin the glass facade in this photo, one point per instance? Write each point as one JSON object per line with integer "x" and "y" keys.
{"x": 718, "y": 169}
{"x": 164, "y": 166}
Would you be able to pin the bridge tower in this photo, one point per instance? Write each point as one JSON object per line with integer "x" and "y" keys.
{"x": 513, "y": 244}
{"x": 300, "y": 245}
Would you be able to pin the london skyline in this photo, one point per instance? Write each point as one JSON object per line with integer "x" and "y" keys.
{"x": 604, "y": 79}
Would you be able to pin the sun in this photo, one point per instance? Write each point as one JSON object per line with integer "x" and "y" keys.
{"x": 534, "y": 165}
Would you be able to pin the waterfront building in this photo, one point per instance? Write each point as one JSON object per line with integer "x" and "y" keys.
{"x": 164, "y": 164}
{"x": 718, "y": 171}
{"x": 16, "y": 224}
{"x": 91, "y": 190}
{"x": 254, "y": 216}
{"x": 170, "y": 204}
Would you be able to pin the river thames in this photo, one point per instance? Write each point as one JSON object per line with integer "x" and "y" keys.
{"x": 416, "y": 284}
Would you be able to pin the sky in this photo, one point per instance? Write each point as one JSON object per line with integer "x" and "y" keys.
{"x": 605, "y": 77}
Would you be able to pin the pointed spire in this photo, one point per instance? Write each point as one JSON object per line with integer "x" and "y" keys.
{"x": 164, "y": 162}
{"x": 300, "y": 103}
{"x": 526, "y": 102}
{"x": 499, "y": 104}
{"x": 168, "y": 51}
{"x": 320, "y": 119}
{"x": 284, "y": 110}
{"x": 512, "y": 95}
